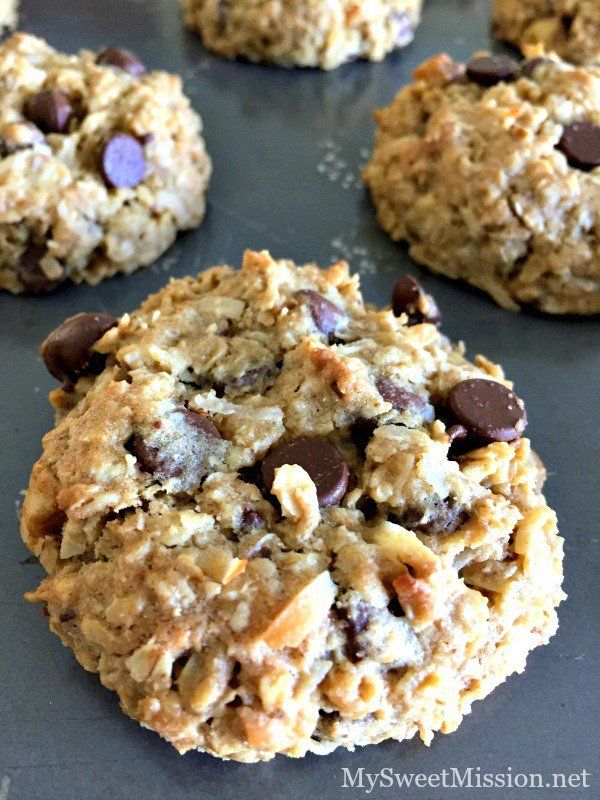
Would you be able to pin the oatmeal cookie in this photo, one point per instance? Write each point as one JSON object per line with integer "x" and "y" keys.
{"x": 8, "y": 14}
{"x": 306, "y": 33}
{"x": 570, "y": 28}
{"x": 278, "y": 520}
{"x": 101, "y": 163}
{"x": 490, "y": 172}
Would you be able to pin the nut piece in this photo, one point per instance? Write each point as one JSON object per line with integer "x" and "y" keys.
{"x": 297, "y": 495}
{"x": 303, "y": 613}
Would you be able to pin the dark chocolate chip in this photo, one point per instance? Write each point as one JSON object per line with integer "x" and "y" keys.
{"x": 325, "y": 314}
{"x": 580, "y": 143}
{"x": 362, "y": 431}
{"x": 251, "y": 520}
{"x": 122, "y": 161}
{"x": 33, "y": 279}
{"x": 121, "y": 59}
{"x": 409, "y": 298}
{"x": 150, "y": 459}
{"x": 321, "y": 460}
{"x": 50, "y": 110}
{"x": 67, "y": 351}
{"x": 487, "y": 409}
{"x": 490, "y": 70}
{"x": 67, "y": 616}
{"x": 164, "y": 462}
{"x": 200, "y": 422}
{"x": 528, "y": 67}
{"x": 399, "y": 397}
{"x": 246, "y": 379}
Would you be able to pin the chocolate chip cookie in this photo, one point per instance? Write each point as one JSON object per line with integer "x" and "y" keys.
{"x": 101, "y": 163}
{"x": 279, "y": 520}
{"x": 306, "y": 33}
{"x": 570, "y": 28}
{"x": 491, "y": 172}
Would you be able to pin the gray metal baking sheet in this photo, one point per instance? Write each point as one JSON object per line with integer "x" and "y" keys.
{"x": 287, "y": 148}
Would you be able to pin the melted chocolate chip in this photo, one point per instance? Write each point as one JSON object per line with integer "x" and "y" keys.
{"x": 488, "y": 409}
{"x": 67, "y": 351}
{"x": 580, "y": 143}
{"x": 122, "y": 161}
{"x": 50, "y": 110}
{"x": 121, "y": 59}
{"x": 409, "y": 298}
{"x": 33, "y": 279}
{"x": 490, "y": 70}
{"x": 399, "y": 397}
{"x": 325, "y": 314}
{"x": 321, "y": 460}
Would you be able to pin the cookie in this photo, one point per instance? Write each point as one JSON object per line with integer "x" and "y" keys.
{"x": 8, "y": 14}
{"x": 570, "y": 28}
{"x": 306, "y": 33}
{"x": 278, "y": 520}
{"x": 490, "y": 172}
{"x": 101, "y": 163}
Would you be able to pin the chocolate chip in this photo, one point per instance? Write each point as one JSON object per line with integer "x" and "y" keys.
{"x": 321, "y": 460}
{"x": 122, "y": 161}
{"x": 67, "y": 616}
{"x": 246, "y": 379}
{"x": 528, "y": 67}
{"x": 33, "y": 279}
{"x": 325, "y": 314}
{"x": 441, "y": 517}
{"x": 251, "y": 520}
{"x": 399, "y": 397}
{"x": 200, "y": 422}
{"x": 409, "y": 298}
{"x": 490, "y": 70}
{"x": 580, "y": 143}
{"x": 68, "y": 349}
{"x": 361, "y": 432}
{"x": 149, "y": 458}
{"x": 168, "y": 462}
{"x": 355, "y": 620}
{"x": 121, "y": 59}
{"x": 50, "y": 110}
{"x": 488, "y": 409}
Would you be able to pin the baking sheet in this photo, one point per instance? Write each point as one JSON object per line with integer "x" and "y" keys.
{"x": 287, "y": 148}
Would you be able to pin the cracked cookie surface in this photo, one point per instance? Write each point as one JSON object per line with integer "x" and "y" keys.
{"x": 278, "y": 520}
{"x": 476, "y": 167}
{"x": 306, "y": 33}
{"x": 570, "y": 28}
{"x": 101, "y": 163}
